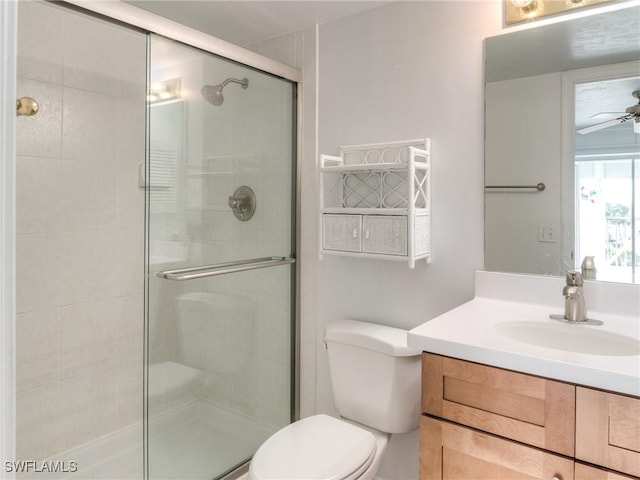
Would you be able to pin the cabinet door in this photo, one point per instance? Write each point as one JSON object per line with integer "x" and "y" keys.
{"x": 608, "y": 430}
{"x": 529, "y": 409}
{"x": 587, "y": 472}
{"x": 386, "y": 234}
{"x": 342, "y": 232}
{"x": 452, "y": 452}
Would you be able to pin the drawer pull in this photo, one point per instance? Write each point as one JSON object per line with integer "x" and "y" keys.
{"x": 557, "y": 476}
{"x": 355, "y": 233}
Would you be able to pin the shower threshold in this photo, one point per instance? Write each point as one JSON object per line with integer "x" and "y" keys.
{"x": 193, "y": 441}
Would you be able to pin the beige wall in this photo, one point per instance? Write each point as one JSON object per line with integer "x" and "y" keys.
{"x": 401, "y": 71}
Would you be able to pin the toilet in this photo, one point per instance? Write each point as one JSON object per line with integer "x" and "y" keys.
{"x": 375, "y": 378}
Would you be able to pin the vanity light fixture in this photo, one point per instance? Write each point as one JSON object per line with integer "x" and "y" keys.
{"x": 517, "y": 11}
{"x": 163, "y": 91}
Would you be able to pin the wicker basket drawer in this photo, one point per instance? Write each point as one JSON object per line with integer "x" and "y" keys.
{"x": 342, "y": 232}
{"x": 521, "y": 407}
{"x": 386, "y": 234}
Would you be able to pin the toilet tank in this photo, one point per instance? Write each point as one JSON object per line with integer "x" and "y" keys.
{"x": 375, "y": 376}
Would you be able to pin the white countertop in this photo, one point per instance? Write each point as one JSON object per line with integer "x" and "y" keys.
{"x": 473, "y": 332}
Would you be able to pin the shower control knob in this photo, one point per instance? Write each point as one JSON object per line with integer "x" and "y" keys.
{"x": 235, "y": 202}
{"x": 243, "y": 203}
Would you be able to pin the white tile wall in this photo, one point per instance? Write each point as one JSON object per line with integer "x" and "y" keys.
{"x": 39, "y": 256}
{"x": 38, "y": 203}
{"x": 38, "y": 421}
{"x": 89, "y": 129}
{"x": 80, "y": 223}
{"x": 88, "y": 194}
{"x": 39, "y": 352}
{"x": 41, "y": 134}
{"x": 40, "y": 43}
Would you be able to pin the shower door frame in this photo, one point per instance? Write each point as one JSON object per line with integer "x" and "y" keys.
{"x": 8, "y": 76}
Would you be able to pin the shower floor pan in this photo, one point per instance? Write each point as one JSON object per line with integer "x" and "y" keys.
{"x": 195, "y": 441}
{"x": 200, "y": 441}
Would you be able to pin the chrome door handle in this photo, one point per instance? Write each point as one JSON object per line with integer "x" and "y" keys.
{"x": 224, "y": 268}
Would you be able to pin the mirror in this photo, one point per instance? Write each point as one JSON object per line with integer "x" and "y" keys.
{"x": 541, "y": 85}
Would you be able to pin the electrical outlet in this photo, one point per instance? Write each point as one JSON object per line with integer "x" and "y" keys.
{"x": 547, "y": 233}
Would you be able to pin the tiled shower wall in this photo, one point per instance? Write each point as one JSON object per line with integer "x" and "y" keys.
{"x": 80, "y": 230}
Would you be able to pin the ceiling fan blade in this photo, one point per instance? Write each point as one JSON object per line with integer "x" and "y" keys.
{"x": 609, "y": 123}
{"x": 604, "y": 115}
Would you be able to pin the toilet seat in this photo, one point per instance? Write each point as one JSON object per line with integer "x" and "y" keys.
{"x": 315, "y": 448}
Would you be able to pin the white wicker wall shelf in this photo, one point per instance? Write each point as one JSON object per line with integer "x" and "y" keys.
{"x": 375, "y": 201}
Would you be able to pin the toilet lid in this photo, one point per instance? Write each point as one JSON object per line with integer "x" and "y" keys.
{"x": 318, "y": 447}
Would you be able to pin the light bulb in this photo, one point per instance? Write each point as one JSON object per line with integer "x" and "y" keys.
{"x": 521, "y": 3}
{"x": 636, "y": 125}
{"x": 529, "y": 8}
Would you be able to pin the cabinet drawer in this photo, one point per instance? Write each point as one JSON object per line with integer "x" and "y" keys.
{"x": 608, "y": 430}
{"x": 342, "y": 232}
{"x": 529, "y": 409}
{"x": 386, "y": 234}
{"x": 587, "y": 472}
{"x": 455, "y": 452}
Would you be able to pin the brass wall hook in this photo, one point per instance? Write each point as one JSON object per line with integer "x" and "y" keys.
{"x": 26, "y": 106}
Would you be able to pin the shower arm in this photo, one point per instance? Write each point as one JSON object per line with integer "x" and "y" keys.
{"x": 244, "y": 83}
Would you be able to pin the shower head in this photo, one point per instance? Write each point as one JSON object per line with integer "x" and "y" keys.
{"x": 213, "y": 93}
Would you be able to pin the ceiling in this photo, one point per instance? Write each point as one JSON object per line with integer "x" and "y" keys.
{"x": 246, "y": 22}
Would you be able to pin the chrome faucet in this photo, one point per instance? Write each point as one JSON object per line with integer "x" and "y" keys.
{"x": 575, "y": 308}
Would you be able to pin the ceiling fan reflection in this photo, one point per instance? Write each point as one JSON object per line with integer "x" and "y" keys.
{"x": 631, "y": 113}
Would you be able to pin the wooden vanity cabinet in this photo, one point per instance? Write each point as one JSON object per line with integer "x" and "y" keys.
{"x": 608, "y": 430}
{"x": 481, "y": 422}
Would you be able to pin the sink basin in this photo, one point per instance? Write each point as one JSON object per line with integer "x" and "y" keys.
{"x": 570, "y": 337}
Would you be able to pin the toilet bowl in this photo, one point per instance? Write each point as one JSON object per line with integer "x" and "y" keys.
{"x": 319, "y": 447}
{"x": 375, "y": 378}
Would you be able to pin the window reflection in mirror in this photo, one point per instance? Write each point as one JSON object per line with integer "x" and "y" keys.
{"x": 607, "y": 191}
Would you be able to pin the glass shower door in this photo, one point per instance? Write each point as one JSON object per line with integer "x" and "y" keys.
{"x": 221, "y": 242}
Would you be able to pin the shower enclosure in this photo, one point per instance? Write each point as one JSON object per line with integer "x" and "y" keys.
{"x": 155, "y": 234}
{"x": 221, "y": 242}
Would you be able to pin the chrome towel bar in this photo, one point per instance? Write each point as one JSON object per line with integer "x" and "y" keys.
{"x": 223, "y": 268}
{"x": 540, "y": 186}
